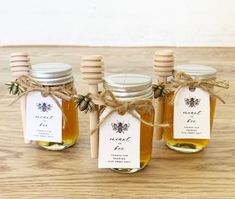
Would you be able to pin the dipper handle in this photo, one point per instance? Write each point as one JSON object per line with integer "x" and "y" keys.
{"x": 92, "y": 69}
{"x": 20, "y": 65}
{"x": 163, "y": 68}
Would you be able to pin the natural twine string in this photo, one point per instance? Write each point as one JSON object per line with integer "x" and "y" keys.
{"x": 64, "y": 92}
{"x": 108, "y": 99}
{"x": 184, "y": 80}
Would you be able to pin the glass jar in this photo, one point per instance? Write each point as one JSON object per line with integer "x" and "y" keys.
{"x": 190, "y": 145}
{"x": 129, "y": 87}
{"x": 54, "y": 75}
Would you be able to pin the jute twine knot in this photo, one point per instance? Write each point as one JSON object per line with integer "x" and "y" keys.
{"x": 184, "y": 80}
{"x": 46, "y": 92}
{"x": 108, "y": 99}
{"x": 28, "y": 84}
{"x": 64, "y": 92}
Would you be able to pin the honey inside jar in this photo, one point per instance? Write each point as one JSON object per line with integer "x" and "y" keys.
{"x": 184, "y": 144}
{"x": 146, "y": 137}
{"x": 69, "y": 130}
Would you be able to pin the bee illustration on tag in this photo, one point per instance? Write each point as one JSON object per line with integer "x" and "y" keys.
{"x": 192, "y": 101}
{"x": 120, "y": 127}
{"x": 44, "y": 107}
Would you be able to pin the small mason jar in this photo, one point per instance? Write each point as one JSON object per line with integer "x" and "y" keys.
{"x": 54, "y": 75}
{"x": 131, "y": 87}
{"x": 190, "y": 145}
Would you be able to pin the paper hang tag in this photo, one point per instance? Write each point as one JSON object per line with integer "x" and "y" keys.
{"x": 192, "y": 114}
{"x": 119, "y": 141}
{"x": 43, "y": 118}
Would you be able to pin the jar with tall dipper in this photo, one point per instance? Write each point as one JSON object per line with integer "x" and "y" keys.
{"x": 51, "y": 114}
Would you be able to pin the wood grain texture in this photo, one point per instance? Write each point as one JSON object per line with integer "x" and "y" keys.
{"x": 27, "y": 171}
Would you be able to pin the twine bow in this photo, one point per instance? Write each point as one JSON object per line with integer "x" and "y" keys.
{"x": 108, "y": 99}
{"x": 184, "y": 80}
{"x": 64, "y": 92}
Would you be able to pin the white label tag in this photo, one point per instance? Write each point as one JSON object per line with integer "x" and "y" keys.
{"x": 192, "y": 114}
{"x": 43, "y": 118}
{"x": 119, "y": 141}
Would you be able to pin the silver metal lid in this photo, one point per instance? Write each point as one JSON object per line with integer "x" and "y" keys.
{"x": 196, "y": 71}
{"x": 52, "y": 73}
{"x": 129, "y": 86}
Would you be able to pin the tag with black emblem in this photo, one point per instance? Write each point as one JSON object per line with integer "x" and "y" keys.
{"x": 119, "y": 141}
{"x": 43, "y": 118}
{"x": 192, "y": 114}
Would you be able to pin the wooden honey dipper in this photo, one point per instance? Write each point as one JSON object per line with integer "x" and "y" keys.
{"x": 20, "y": 65}
{"x": 163, "y": 68}
{"x": 92, "y": 69}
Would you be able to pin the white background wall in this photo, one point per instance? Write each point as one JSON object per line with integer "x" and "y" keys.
{"x": 118, "y": 22}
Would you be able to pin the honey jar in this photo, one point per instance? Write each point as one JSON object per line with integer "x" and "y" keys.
{"x": 126, "y": 142}
{"x": 190, "y": 114}
{"x": 52, "y": 121}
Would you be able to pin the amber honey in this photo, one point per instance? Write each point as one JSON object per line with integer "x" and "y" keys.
{"x": 69, "y": 131}
{"x": 184, "y": 145}
{"x": 146, "y": 137}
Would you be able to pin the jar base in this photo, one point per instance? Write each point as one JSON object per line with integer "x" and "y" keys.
{"x": 185, "y": 147}
{"x": 53, "y": 146}
{"x": 129, "y": 170}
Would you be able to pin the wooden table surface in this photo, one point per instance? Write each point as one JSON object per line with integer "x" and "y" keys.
{"x": 27, "y": 171}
